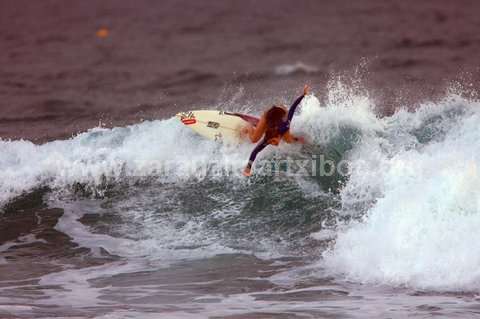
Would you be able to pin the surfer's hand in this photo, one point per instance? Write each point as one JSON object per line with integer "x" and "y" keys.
{"x": 247, "y": 172}
{"x": 306, "y": 89}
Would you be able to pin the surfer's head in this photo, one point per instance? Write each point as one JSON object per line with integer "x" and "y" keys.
{"x": 275, "y": 116}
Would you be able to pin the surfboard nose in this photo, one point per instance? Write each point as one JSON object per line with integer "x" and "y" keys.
{"x": 187, "y": 118}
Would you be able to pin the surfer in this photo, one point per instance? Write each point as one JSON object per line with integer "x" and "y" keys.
{"x": 275, "y": 125}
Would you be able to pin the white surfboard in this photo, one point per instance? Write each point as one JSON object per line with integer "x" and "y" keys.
{"x": 217, "y": 125}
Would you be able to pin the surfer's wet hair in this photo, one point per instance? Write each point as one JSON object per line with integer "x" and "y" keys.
{"x": 275, "y": 117}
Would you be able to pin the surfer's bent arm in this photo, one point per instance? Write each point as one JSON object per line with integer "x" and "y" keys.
{"x": 256, "y": 132}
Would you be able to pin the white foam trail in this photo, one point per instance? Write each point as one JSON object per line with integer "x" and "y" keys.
{"x": 161, "y": 148}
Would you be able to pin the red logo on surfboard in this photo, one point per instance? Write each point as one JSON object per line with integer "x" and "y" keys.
{"x": 189, "y": 121}
{"x": 187, "y": 118}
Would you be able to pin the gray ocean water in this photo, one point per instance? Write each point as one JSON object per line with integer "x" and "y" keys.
{"x": 112, "y": 208}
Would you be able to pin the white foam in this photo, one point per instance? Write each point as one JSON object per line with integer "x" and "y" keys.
{"x": 342, "y": 109}
{"x": 161, "y": 148}
{"x": 422, "y": 230}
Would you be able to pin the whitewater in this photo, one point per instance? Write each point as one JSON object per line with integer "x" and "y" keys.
{"x": 156, "y": 208}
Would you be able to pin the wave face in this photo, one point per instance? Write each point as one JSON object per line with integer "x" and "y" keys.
{"x": 421, "y": 224}
{"x": 406, "y": 214}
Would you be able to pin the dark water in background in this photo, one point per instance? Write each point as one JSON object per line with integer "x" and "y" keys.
{"x": 165, "y": 56}
{"x": 125, "y": 222}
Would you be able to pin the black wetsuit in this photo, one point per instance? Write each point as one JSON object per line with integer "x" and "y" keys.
{"x": 284, "y": 127}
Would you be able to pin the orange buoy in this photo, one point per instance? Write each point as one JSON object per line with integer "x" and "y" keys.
{"x": 102, "y": 33}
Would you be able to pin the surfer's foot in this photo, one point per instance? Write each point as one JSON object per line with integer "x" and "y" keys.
{"x": 247, "y": 171}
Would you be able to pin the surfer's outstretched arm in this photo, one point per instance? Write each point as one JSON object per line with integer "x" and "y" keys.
{"x": 260, "y": 146}
{"x": 286, "y": 125}
{"x": 293, "y": 107}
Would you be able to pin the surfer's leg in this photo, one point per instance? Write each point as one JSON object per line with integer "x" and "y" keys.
{"x": 253, "y": 155}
